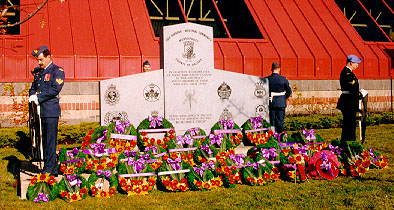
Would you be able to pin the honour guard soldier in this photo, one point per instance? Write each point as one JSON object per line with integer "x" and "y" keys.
{"x": 146, "y": 66}
{"x": 44, "y": 91}
{"x": 279, "y": 91}
{"x": 348, "y": 102}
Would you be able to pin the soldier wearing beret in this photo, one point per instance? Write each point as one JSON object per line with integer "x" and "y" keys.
{"x": 279, "y": 90}
{"x": 44, "y": 91}
{"x": 348, "y": 102}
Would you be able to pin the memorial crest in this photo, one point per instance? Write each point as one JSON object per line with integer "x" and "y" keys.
{"x": 152, "y": 92}
{"x": 112, "y": 95}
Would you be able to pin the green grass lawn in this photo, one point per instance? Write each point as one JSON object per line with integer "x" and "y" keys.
{"x": 374, "y": 190}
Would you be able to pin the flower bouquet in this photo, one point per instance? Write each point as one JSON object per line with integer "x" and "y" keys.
{"x": 229, "y": 170}
{"x": 122, "y": 136}
{"x": 201, "y": 177}
{"x": 314, "y": 141}
{"x": 156, "y": 125}
{"x": 42, "y": 188}
{"x": 228, "y": 132}
{"x": 256, "y": 131}
{"x": 191, "y": 138}
{"x": 257, "y": 173}
{"x": 73, "y": 187}
{"x": 172, "y": 174}
{"x": 71, "y": 162}
{"x": 135, "y": 173}
{"x": 97, "y": 186}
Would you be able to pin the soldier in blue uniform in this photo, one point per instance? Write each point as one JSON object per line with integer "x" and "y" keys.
{"x": 279, "y": 91}
{"x": 348, "y": 102}
{"x": 44, "y": 91}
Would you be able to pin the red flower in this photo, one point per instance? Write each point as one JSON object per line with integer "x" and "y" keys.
{"x": 143, "y": 133}
{"x": 183, "y": 180}
{"x": 122, "y": 143}
{"x": 123, "y": 183}
{"x": 152, "y": 140}
{"x": 95, "y": 161}
{"x": 139, "y": 182}
{"x": 70, "y": 171}
{"x": 174, "y": 187}
{"x": 159, "y": 141}
{"x": 306, "y": 158}
{"x": 129, "y": 188}
{"x": 83, "y": 190}
{"x": 203, "y": 160}
{"x": 165, "y": 139}
{"x": 100, "y": 167}
{"x": 260, "y": 181}
{"x": 103, "y": 194}
{"x": 190, "y": 156}
{"x": 358, "y": 162}
{"x": 164, "y": 146}
{"x": 275, "y": 170}
{"x": 145, "y": 188}
{"x": 43, "y": 177}
{"x": 182, "y": 188}
{"x": 219, "y": 170}
{"x": 145, "y": 139}
{"x": 171, "y": 131}
{"x": 111, "y": 190}
{"x": 291, "y": 159}
{"x": 63, "y": 194}
{"x": 110, "y": 164}
{"x": 171, "y": 136}
{"x": 361, "y": 170}
{"x": 166, "y": 182}
{"x": 63, "y": 168}
{"x": 183, "y": 157}
{"x": 94, "y": 190}
{"x": 79, "y": 164}
{"x": 175, "y": 182}
{"x": 303, "y": 177}
{"x": 89, "y": 166}
{"x": 207, "y": 185}
{"x": 34, "y": 180}
{"x": 51, "y": 180}
{"x": 91, "y": 131}
{"x": 266, "y": 176}
{"x": 74, "y": 197}
{"x": 250, "y": 179}
{"x": 151, "y": 182}
{"x": 366, "y": 164}
{"x": 198, "y": 184}
{"x": 296, "y": 151}
{"x": 133, "y": 182}
{"x": 298, "y": 158}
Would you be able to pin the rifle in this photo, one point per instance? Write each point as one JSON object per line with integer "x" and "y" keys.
{"x": 35, "y": 132}
{"x": 363, "y": 115}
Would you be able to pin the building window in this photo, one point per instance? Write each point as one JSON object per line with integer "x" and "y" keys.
{"x": 373, "y": 20}
{"x": 9, "y": 14}
{"x": 228, "y": 18}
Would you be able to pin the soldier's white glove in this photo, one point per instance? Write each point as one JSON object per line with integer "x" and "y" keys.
{"x": 33, "y": 98}
{"x": 363, "y": 92}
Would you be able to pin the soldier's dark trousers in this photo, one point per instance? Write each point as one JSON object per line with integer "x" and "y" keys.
{"x": 349, "y": 125}
{"x": 277, "y": 118}
{"x": 49, "y": 137}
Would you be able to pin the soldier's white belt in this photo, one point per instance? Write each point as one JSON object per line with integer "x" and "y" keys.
{"x": 345, "y": 92}
{"x": 278, "y": 93}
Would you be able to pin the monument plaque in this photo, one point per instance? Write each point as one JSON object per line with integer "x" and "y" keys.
{"x": 188, "y": 62}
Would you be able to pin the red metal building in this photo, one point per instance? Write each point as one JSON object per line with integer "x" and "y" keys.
{"x": 98, "y": 39}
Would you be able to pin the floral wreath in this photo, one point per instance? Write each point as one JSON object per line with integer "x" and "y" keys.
{"x": 225, "y": 135}
{"x": 294, "y": 158}
{"x": 324, "y": 164}
{"x": 122, "y": 136}
{"x": 156, "y": 124}
{"x": 96, "y": 134}
{"x": 99, "y": 191}
{"x": 204, "y": 152}
{"x": 172, "y": 174}
{"x": 135, "y": 174}
{"x": 202, "y": 178}
{"x": 100, "y": 157}
{"x": 72, "y": 161}
{"x": 191, "y": 138}
{"x": 73, "y": 187}
{"x": 229, "y": 170}
{"x": 256, "y": 131}
{"x": 42, "y": 188}
{"x": 258, "y": 173}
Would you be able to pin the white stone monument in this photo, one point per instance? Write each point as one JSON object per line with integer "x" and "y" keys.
{"x": 187, "y": 91}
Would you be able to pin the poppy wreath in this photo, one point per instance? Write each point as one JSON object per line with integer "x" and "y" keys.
{"x": 201, "y": 177}
{"x": 135, "y": 174}
{"x": 42, "y": 188}
{"x": 73, "y": 188}
{"x": 228, "y": 131}
{"x": 71, "y": 161}
{"x": 155, "y": 125}
{"x": 172, "y": 174}
{"x": 229, "y": 170}
{"x": 122, "y": 136}
{"x": 94, "y": 135}
{"x": 205, "y": 152}
{"x": 256, "y": 131}
{"x": 257, "y": 173}
{"x": 324, "y": 164}
{"x": 99, "y": 191}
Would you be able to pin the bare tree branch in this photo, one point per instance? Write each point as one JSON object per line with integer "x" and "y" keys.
{"x": 27, "y": 18}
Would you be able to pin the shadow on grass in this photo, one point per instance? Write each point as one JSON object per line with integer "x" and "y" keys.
{"x": 24, "y": 145}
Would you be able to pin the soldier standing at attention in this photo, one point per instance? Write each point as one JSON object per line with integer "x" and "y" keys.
{"x": 279, "y": 91}
{"x": 348, "y": 101}
{"x": 146, "y": 66}
{"x": 44, "y": 91}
